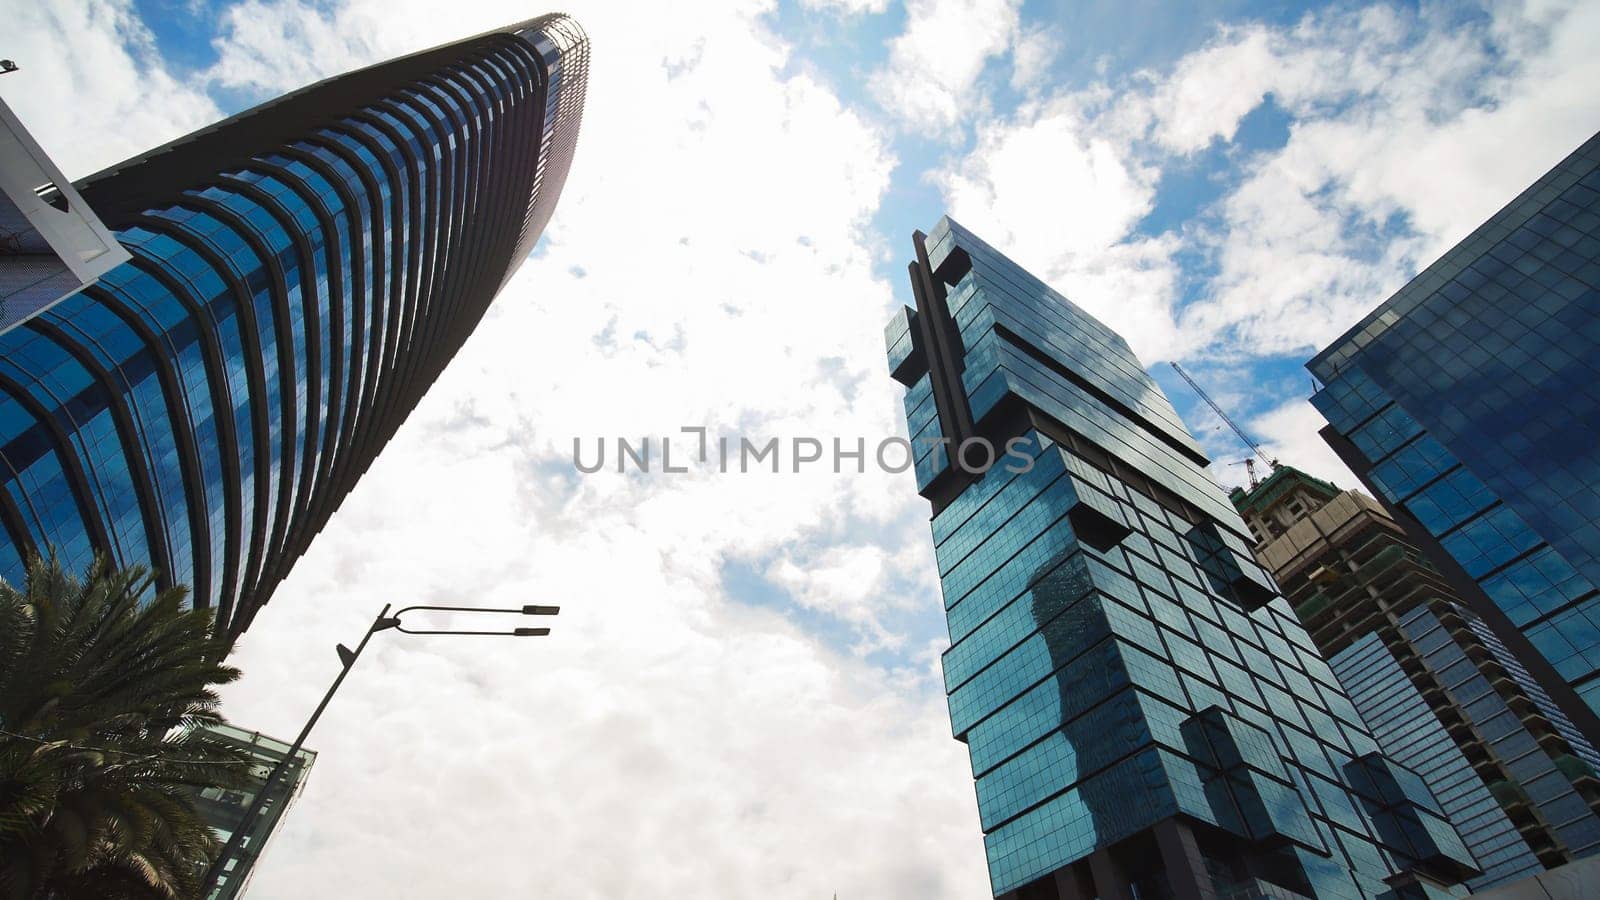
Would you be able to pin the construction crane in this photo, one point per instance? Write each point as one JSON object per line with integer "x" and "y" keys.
{"x": 1255, "y": 448}
{"x": 1249, "y": 464}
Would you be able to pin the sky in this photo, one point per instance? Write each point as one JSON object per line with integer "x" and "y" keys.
{"x": 741, "y": 696}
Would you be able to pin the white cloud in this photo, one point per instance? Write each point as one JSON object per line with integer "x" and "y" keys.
{"x": 931, "y": 80}
{"x": 1212, "y": 89}
{"x": 1063, "y": 200}
{"x": 1036, "y": 48}
{"x": 856, "y": 582}
{"x": 661, "y": 743}
{"x": 1288, "y": 433}
{"x": 275, "y": 46}
{"x": 847, "y": 7}
{"x": 1050, "y": 185}
{"x": 87, "y": 64}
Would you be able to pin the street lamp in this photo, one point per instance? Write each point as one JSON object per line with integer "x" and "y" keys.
{"x": 348, "y": 658}
{"x": 515, "y": 632}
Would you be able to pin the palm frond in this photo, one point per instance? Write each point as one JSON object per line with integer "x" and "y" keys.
{"x": 103, "y": 680}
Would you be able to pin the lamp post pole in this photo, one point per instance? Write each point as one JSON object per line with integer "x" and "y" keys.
{"x": 347, "y": 658}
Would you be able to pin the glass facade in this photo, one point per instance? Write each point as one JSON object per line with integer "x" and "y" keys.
{"x": 1407, "y": 729}
{"x": 1551, "y": 781}
{"x": 1469, "y": 402}
{"x": 225, "y": 809}
{"x": 205, "y": 407}
{"x": 1142, "y": 711}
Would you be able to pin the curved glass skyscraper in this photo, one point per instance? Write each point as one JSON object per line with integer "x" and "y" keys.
{"x": 301, "y": 273}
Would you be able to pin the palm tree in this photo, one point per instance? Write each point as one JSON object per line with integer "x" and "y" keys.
{"x": 103, "y": 681}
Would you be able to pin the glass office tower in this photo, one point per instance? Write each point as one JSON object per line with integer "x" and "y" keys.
{"x": 301, "y": 273}
{"x": 1144, "y": 714}
{"x": 1469, "y": 403}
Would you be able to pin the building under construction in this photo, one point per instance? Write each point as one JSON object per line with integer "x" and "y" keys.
{"x": 1515, "y": 776}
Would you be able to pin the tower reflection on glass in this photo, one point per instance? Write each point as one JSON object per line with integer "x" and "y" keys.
{"x": 1144, "y": 714}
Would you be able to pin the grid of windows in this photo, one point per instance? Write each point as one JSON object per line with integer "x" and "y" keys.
{"x": 1533, "y": 769}
{"x": 1404, "y": 724}
{"x": 206, "y": 405}
{"x": 1113, "y": 660}
{"x": 1473, "y": 395}
{"x": 1580, "y": 745}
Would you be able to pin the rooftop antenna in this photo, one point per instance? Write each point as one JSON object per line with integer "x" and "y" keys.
{"x": 1249, "y": 464}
